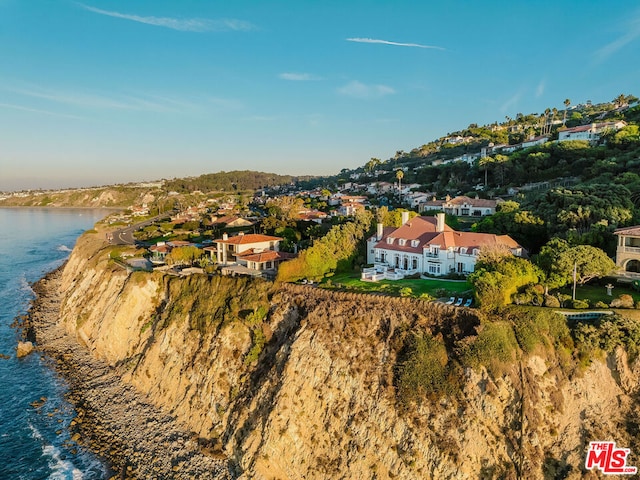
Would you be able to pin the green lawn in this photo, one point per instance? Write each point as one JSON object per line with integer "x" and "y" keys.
{"x": 351, "y": 281}
{"x": 597, "y": 293}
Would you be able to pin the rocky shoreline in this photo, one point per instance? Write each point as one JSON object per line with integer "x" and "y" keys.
{"x": 137, "y": 440}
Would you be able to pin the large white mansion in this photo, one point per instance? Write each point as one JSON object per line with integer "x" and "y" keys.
{"x": 427, "y": 245}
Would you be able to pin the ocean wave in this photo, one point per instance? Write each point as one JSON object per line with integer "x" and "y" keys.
{"x": 60, "y": 469}
{"x": 63, "y": 248}
{"x": 24, "y": 285}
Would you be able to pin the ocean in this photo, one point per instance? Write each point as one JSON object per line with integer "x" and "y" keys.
{"x": 34, "y": 441}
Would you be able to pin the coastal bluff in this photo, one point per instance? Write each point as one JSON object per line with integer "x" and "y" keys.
{"x": 293, "y": 382}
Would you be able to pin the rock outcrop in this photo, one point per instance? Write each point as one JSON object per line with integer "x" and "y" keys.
{"x": 23, "y": 349}
{"x": 294, "y": 382}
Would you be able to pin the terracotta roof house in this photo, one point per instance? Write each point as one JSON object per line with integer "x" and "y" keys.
{"x": 462, "y": 206}
{"x": 589, "y": 132}
{"x": 232, "y": 221}
{"x": 263, "y": 261}
{"x": 628, "y": 251}
{"x": 426, "y": 245}
{"x": 250, "y": 254}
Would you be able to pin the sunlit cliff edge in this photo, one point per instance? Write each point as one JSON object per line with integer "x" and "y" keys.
{"x": 294, "y": 382}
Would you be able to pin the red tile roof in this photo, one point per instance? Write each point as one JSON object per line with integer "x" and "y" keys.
{"x": 249, "y": 238}
{"x": 423, "y": 229}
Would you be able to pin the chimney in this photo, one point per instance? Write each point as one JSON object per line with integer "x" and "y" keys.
{"x": 440, "y": 222}
{"x": 225, "y": 236}
{"x": 405, "y": 217}
{"x": 379, "y": 231}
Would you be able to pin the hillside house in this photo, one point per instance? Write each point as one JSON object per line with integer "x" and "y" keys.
{"x": 462, "y": 206}
{"x": 628, "y": 251}
{"x": 426, "y": 245}
{"x": 591, "y": 132}
{"x": 231, "y": 221}
{"x": 250, "y": 254}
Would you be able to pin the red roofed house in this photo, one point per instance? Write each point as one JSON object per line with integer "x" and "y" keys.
{"x": 250, "y": 254}
{"x": 628, "y": 251}
{"x": 232, "y": 221}
{"x": 426, "y": 245}
{"x": 589, "y": 132}
{"x": 462, "y": 206}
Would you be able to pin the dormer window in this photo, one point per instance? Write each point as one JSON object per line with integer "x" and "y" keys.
{"x": 476, "y": 252}
{"x": 390, "y": 240}
{"x": 402, "y": 242}
{"x": 463, "y": 250}
{"x": 415, "y": 243}
{"x": 435, "y": 249}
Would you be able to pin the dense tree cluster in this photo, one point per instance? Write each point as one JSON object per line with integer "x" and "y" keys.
{"x": 338, "y": 248}
{"x": 228, "y": 181}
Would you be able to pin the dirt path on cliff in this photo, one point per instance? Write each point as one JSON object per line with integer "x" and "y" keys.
{"x": 113, "y": 419}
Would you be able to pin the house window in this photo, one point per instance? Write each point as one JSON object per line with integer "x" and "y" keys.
{"x": 390, "y": 240}
{"x": 460, "y": 267}
{"x": 463, "y": 250}
{"x": 435, "y": 250}
{"x": 415, "y": 243}
{"x": 402, "y": 242}
{"x": 415, "y": 263}
{"x": 434, "y": 268}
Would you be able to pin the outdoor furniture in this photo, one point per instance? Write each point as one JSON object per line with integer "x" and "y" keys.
{"x": 459, "y": 302}
{"x": 450, "y": 301}
{"x": 468, "y": 302}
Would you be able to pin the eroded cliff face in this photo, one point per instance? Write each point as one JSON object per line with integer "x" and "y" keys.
{"x": 293, "y": 382}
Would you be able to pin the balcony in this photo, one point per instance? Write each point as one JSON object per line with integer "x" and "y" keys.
{"x": 629, "y": 249}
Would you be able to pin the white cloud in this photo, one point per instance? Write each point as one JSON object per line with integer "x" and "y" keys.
{"x": 511, "y": 102}
{"x": 632, "y": 32}
{"x": 185, "y": 25}
{"x": 99, "y": 101}
{"x": 540, "y": 88}
{"x": 360, "y": 90}
{"x": 37, "y": 110}
{"x": 397, "y": 44}
{"x": 298, "y": 77}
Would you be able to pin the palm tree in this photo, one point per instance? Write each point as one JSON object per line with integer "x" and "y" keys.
{"x": 400, "y": 176}
{"x": 546, "y": 126}
{"x": 567, "y": 102}
{"x": 485, "y": 162}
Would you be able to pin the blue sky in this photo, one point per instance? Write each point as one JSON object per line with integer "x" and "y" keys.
{"x": 98, "y": 91}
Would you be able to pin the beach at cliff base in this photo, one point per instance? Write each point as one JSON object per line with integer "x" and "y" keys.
{"x": 113, "y": 420}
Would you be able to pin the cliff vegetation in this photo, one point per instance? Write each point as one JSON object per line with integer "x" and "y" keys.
{"x": 295, "y": 382}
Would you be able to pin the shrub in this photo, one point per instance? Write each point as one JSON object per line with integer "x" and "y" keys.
{"x": 608, "y": 333}
{"x": 495, "y": 344}
{"x": 423, "y": 371}
{"x": 623, "y": 301}
{"x": 551, "y": 301}
{"x": 522, "y": 299}
{"x": 441, "y": 292}
{"x": 580, "y": 304}
{"x": 405, "y": 292}
{"x": 600, "y": 304}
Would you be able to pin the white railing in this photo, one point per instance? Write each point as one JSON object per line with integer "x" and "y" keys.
{"x": 630, "y": 249}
